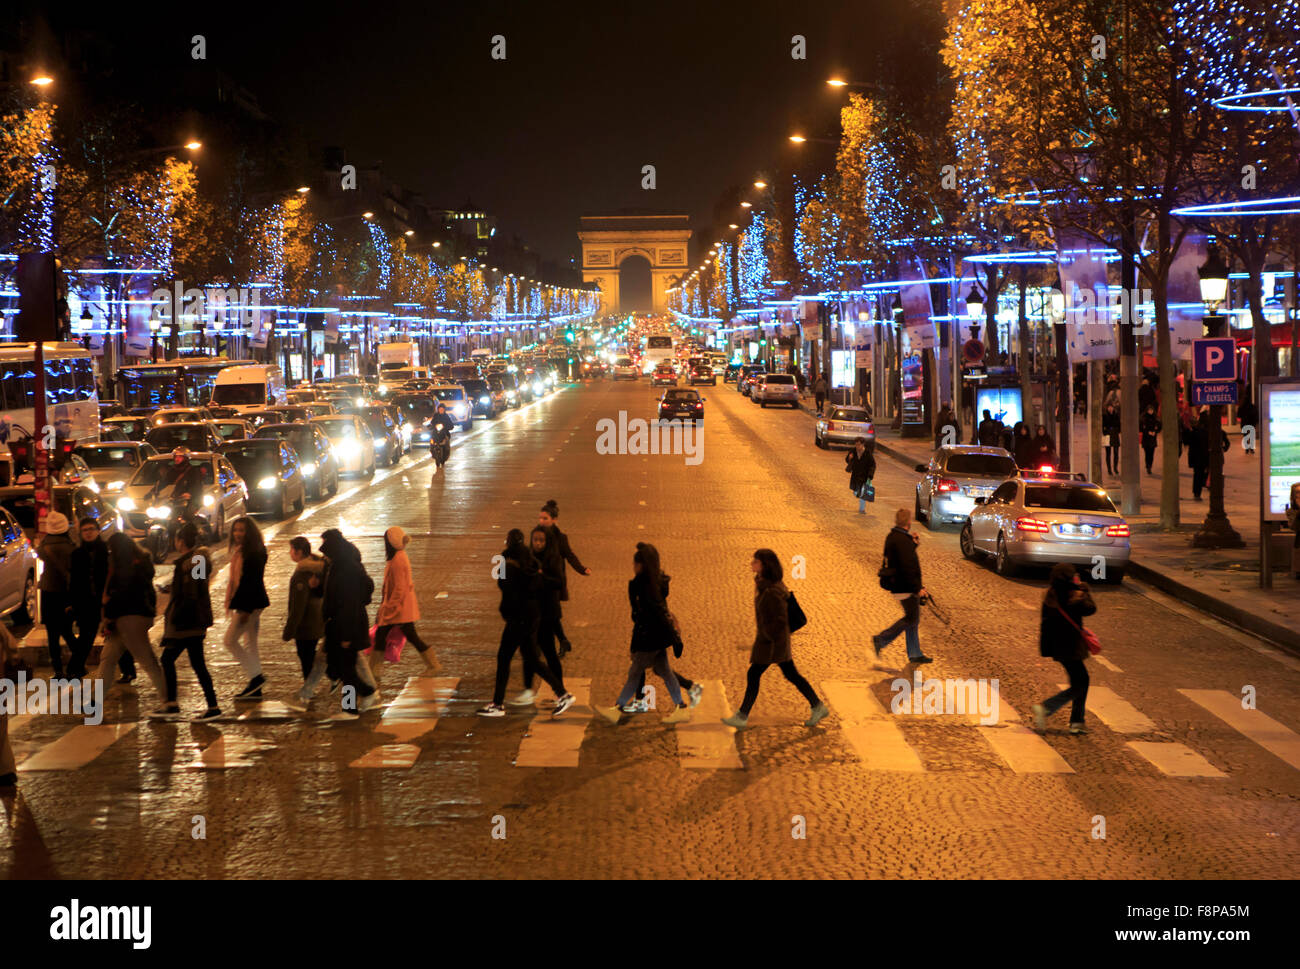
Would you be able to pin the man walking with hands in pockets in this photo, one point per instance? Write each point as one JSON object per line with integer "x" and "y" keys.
{"x": 900, "y": 575}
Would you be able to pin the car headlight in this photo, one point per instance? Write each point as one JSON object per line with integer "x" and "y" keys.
{"x": 126, "y": 503}
{"x": 379, "y": 445}
{"x": 269, "y": 482}
{"x": 309, "y": 469}
{"x": 159, "y": 511}
{"x": 361, "y": 402}
{"x": 406, "y": 428}
{"x": 115, "y": 485}
{"x": 383, "y": 388}
{"x": 93, "y": 485}
{"x": 539, "y": 388}
{"x": 485, "y": 400}
{"x": 459, "y": 410}
{"x": 209, "y": 501}
{"x": 349, "y": 449}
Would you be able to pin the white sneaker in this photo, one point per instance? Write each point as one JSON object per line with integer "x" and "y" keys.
{"x": 492, "y": 710}
{"x": 562, "y": 704}
{"x": 367, "y": 702}
{"x": 636, "y": 706}
{"x": 696, "y": 691}
{"x": 524, "y": 699}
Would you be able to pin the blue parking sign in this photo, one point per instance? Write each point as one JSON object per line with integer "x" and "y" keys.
{"x": 1214, "y": 358}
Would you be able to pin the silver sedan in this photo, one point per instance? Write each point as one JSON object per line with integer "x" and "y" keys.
{"x": 1045, "y": 519}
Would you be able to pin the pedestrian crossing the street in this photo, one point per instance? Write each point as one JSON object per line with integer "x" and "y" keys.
{"x": 879, "y": 738}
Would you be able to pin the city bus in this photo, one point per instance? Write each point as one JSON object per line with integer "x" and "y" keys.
{"x": 174, "y": 383}
{"x": 658, "y": 349}
{"x": 71, "y": 399}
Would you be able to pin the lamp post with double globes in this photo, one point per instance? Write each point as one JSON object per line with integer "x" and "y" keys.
{"x": 1216, "y": 531}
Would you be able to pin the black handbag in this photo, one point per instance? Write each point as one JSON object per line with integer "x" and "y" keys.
{"x": 795, "y": 614}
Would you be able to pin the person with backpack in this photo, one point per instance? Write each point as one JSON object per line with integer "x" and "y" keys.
{"x": 245, "y": 599}
{"x": 653, "y": 632}
{"x": 556, "y": 538}
{"x": 398, "y": 608}
{"x": 521, "y": 610}
{"x": 304, "y": 623}
{"x": 900, "y": 575}
{"x": 1062, "y": 637}
{"x": 186, "y": 621}
{"x": 55, "y": 552}
{"x": 348, "y": 591}
{"x": 772, "y": 641}
{"x": 860, "y": 463}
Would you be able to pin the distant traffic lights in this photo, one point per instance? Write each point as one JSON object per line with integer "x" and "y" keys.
{"x": 568, "y": 335}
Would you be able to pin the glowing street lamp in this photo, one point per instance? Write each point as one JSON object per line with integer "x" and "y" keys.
{"x": 42, "y": 80}
{"x": 760, "y": 184}
{"x": 303, "y": 189}
{"x": 194, "y": 145}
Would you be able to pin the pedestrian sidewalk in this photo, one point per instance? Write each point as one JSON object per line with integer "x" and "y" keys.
{"x": 1222, "y": 582}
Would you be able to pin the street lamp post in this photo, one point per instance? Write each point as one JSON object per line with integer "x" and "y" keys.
{"x": 1216, "y": 531}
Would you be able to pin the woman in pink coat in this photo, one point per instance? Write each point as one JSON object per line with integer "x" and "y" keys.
{"x": 397, "y": 606}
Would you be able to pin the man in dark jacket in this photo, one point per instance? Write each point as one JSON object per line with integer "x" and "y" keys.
{"x": 55, "y": 551}
{"x": 905, "y": 585}
{"x": 348, "y": 590}
{"x": 945, "y": 420}
{"x": 990, "y": 431}
{"x": 559, "y": 543}
{"x": 860, "y": 463}
{"x": 88, "y": 577}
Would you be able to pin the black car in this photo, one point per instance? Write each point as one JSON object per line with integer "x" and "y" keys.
{"x": 681, "y": 403}
{"x": 192, "y": 435}
{"x": 272, "y": 471}
{"x": 731, "y": 374}
{"x": 320, "y": 468}
{"x": 134, "y": 428}
{"x": 417, "y": 410}
{"x": 481, "y": 399}
{"x": 504, "y": 383}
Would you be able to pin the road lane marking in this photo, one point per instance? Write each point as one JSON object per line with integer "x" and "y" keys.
{"x": 226, "y": 752}
{"x": 868, "y": 728}
{"x": 1116, "y": 712}
{"x": 706, "y": 743}
{"x": 1107, "y": 663}
{"x": 265, "y": 710}
{"x": 1274, "y": 737}
{"x": 414, "y": 713}
{"x": 1024, "y": 751}
{"x": 1174, "y": 759}
{"x": 557, "y": 742}
{"x": 77, "y": 748}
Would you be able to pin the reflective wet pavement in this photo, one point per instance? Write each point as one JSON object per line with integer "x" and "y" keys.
{"x": 1184, "y": 782}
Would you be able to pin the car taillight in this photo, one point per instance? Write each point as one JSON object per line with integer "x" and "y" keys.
{"x": 1046, "y": 467}
{"x": 699, "y": 405}
{"x": 1118, "y": 531}
{"x": 946, "y": 484}
{"x": 1031, "y": 525}
{"x": 830, "y": 425}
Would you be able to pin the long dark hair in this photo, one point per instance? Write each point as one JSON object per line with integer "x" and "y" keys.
{"x": 254, "y": 545}
{"x": 648, "y": 557}
{"x": 771, "y": 570}
{"x": 517, "y": 549}
{"x": 123, "y": 554}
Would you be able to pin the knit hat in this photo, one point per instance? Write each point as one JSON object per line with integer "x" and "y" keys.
{"x": 56, "y": 523}
{"x": 396, "y": 537}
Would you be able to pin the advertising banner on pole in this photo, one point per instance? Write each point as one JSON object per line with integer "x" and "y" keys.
{"x": 1186, "y": 311}
{"x": 917, "y": 305}
{"x": 1280, "y": 449}
{"x": 1090, "y": 326}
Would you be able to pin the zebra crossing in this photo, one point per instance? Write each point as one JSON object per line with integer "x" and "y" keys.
{"x": 877, "y": 738}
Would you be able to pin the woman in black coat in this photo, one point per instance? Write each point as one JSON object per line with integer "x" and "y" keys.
{"x": 652, "y": 633}
{"x": 520, "y": 587}
{"x": 130, "y": 604}
{"x": 1110, "y": 428}
{"x": 1022, "y": 445}
{"x": 1060, "y": 636}
{"x": 545, "y": 591}
{"x": 348, "y": 590}
{"x": 860, "y": 463}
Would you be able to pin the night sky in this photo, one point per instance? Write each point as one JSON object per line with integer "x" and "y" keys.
{"x": 588, "y": 93}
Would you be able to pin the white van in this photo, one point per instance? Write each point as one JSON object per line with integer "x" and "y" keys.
{"x": 249, "y": 387}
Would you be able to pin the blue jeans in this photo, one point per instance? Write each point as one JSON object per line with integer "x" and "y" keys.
{"x": 642, "y": 661}
{"x": 910, "y": 623}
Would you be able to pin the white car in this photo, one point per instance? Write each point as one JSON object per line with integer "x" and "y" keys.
{"x": 113, "y": 463}
{"x": 776, "y": 388}
{"x": 625, "y": 369}
{"x": 17, "y": 571}
{"x": 353, "y": 444}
